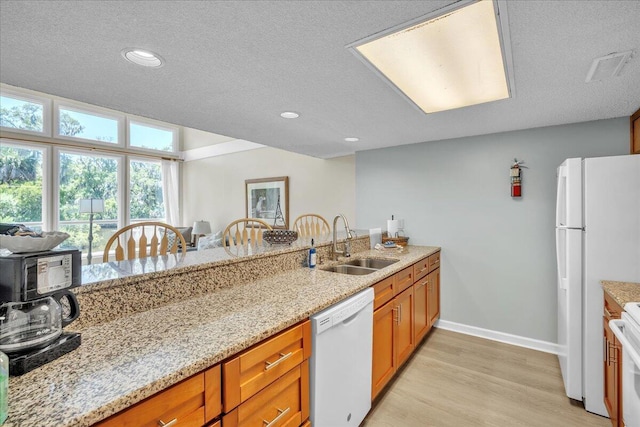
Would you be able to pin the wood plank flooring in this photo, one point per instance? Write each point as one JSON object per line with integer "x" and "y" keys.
{"x": 459, "y": 380}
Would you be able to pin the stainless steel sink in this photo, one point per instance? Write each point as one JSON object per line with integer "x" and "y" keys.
{"x": 350, "y": 269}
{"x": 375, "y": 263}
{"x": 361, "y": 266}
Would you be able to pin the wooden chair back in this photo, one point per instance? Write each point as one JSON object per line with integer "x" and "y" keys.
{"x": 311, "y": 225}
{"x": 244, "y": 231}
{"x": 143, "y": 239}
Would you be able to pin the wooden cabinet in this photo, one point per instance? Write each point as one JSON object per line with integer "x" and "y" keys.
{"x": 406, "y": 306}
{"x": 420, "y": 313}
{"x": 635, "y": 132}
{"x": 283, "y": 403}
{"x": 254, "y": 369}
{"x": 404, "y": 339}
{"x": 427, "y": 295}
{"x": 269, "y": 383}
{"x": 190, "y": 403}
{"x": 612, "y": 363}
{"x": 433, "y": 297}
{"x": 393, "y": 339}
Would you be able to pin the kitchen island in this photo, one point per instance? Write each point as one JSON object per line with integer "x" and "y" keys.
{"x": 193, "y": 316}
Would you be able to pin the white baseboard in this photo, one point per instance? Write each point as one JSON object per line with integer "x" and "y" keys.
{"x": 533, "y": 344}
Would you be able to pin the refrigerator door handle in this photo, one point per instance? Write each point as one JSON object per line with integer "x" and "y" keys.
{"x": 561, "y": 201}
{"x": 561, "y": 260}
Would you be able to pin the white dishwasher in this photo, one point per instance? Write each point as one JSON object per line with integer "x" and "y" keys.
{"x": 340, "y": 364}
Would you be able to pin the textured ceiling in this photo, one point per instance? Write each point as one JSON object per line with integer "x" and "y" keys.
{"x": 233, "y": 66}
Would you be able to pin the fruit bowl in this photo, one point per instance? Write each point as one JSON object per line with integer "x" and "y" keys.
{"x": 22, "y": 244}
{"x": 280, "y": 237}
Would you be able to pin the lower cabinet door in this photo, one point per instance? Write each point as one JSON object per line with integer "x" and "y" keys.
{"x": 283, "y": 403}
{"x": 405, "y": 340}
{"x": 421, "y": 319}
{"x": 384, "y": 359}
{"x": 433, "y": 296}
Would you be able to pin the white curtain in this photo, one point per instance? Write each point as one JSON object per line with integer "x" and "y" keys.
{"x": 171, "y": 192}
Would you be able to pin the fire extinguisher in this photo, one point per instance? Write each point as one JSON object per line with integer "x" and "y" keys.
{"x": 516, "y": 178}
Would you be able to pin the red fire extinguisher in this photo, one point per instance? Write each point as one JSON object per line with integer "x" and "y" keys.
{"x": 516, "y": 178}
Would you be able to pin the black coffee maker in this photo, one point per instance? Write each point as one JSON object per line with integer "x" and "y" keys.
{"x": 35, "y": 305}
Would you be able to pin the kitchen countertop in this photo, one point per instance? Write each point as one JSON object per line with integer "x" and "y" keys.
{"x": 126, "y": 360}
{"x": 622, "y": 292}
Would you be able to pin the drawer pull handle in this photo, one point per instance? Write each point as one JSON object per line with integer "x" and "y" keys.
{"x": 283, "y": 357}
{"x": 169, "y": 424}
{"x": 276, "y": 419}
{"x": 420, "y": 285}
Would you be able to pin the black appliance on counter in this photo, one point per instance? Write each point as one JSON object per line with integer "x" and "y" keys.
{"x": 36, "y": 305}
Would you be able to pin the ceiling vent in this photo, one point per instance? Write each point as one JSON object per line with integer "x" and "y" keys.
{"x": 607, "y": 66}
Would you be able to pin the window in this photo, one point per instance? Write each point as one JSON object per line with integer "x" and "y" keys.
{"x": 145, "y": 191}
{"x": 85, "y": 176}
{"x": 88, "y": 125}
{"x": 152, "y": 137}
{"x": 21, "y": 185}
{"x": 115, "y": 157}
{"x": 25, "y": 114}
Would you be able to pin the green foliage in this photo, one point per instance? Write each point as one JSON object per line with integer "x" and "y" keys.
{"x": 26, "y": 116}
{"x": 146, "y": 191}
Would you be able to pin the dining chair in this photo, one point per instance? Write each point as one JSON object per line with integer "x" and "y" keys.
{"x": 244, "y": 231}
{"x": 143, "y": 239}
{"x": 311, "y": 225}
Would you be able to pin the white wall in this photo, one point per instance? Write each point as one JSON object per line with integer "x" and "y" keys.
{"x": 213, "y": 189}
{"x": 498, "y": 253}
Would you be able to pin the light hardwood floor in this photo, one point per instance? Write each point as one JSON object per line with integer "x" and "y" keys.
{"x": 459, "y": 380}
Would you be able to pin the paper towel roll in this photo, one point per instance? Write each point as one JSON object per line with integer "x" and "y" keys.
{"x": 392, "y": 227}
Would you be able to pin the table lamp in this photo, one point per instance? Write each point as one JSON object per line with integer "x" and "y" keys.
{"x": 200, "y": 228}
{"x": 91, "y": 206}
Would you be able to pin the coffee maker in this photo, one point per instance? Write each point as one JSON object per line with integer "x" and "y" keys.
{"x": 36, "y": 304}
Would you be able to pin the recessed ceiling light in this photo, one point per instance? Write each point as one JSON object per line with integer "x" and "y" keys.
{"x": 289, "y": 115}
{"x": 352, "y": 139}
{"x": 142, "y": 57}
{"x": 449, "y": 59}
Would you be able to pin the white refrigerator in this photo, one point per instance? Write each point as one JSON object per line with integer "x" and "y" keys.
{"x": 597, "y": 238}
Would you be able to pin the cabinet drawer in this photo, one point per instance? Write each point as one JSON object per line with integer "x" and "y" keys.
{"x": 183, "y": 402}
{"x": 404, "y": 279}
{"x": 420, "y": 269}
{"x": 384, "y": 291}
{"x": 434, "y": 261}
{"x": 612, "y": 309}
{"x": 254, "y": 369}
{"x": 283, "y": 403}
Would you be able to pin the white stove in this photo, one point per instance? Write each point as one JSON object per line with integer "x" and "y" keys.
{"x": 627, "y": 331}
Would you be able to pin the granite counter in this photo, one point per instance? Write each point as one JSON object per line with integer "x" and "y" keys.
{"x": 622, "y": 292}
{"x": 135, "y": 355}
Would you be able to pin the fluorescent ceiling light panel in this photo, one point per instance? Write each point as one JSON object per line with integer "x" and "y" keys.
{"x": 443, "y": 62}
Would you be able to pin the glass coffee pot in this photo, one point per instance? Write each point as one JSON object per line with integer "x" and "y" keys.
{"x": 29, "y": 325}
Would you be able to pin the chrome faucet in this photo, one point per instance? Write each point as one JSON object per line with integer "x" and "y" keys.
{"x": 347, "y": 243}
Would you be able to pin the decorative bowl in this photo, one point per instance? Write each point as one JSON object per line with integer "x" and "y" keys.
{"x": 279, "y": 237}
{"x": 21, "y": 244}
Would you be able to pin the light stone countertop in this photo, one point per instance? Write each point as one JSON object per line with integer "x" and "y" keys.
{"x": 131, "y": 358}
{"x": 622, "y": 292}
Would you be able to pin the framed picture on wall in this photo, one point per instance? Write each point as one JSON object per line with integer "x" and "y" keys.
{"x": 268, "y": 199}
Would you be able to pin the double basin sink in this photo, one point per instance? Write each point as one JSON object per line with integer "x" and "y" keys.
{"x": 361, "y": 266}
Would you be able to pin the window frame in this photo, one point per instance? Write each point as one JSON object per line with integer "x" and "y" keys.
{"x": 121, "y": 194}
{"x": 90, "y": 110}
{"x": 47, "y": 186}
{"x": 155, "y": 124}
{"x": 132, "y": 158}
{"x": 46, "y": 111}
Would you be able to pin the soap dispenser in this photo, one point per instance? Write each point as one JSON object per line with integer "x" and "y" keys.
{"x": 312, "y": 255}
